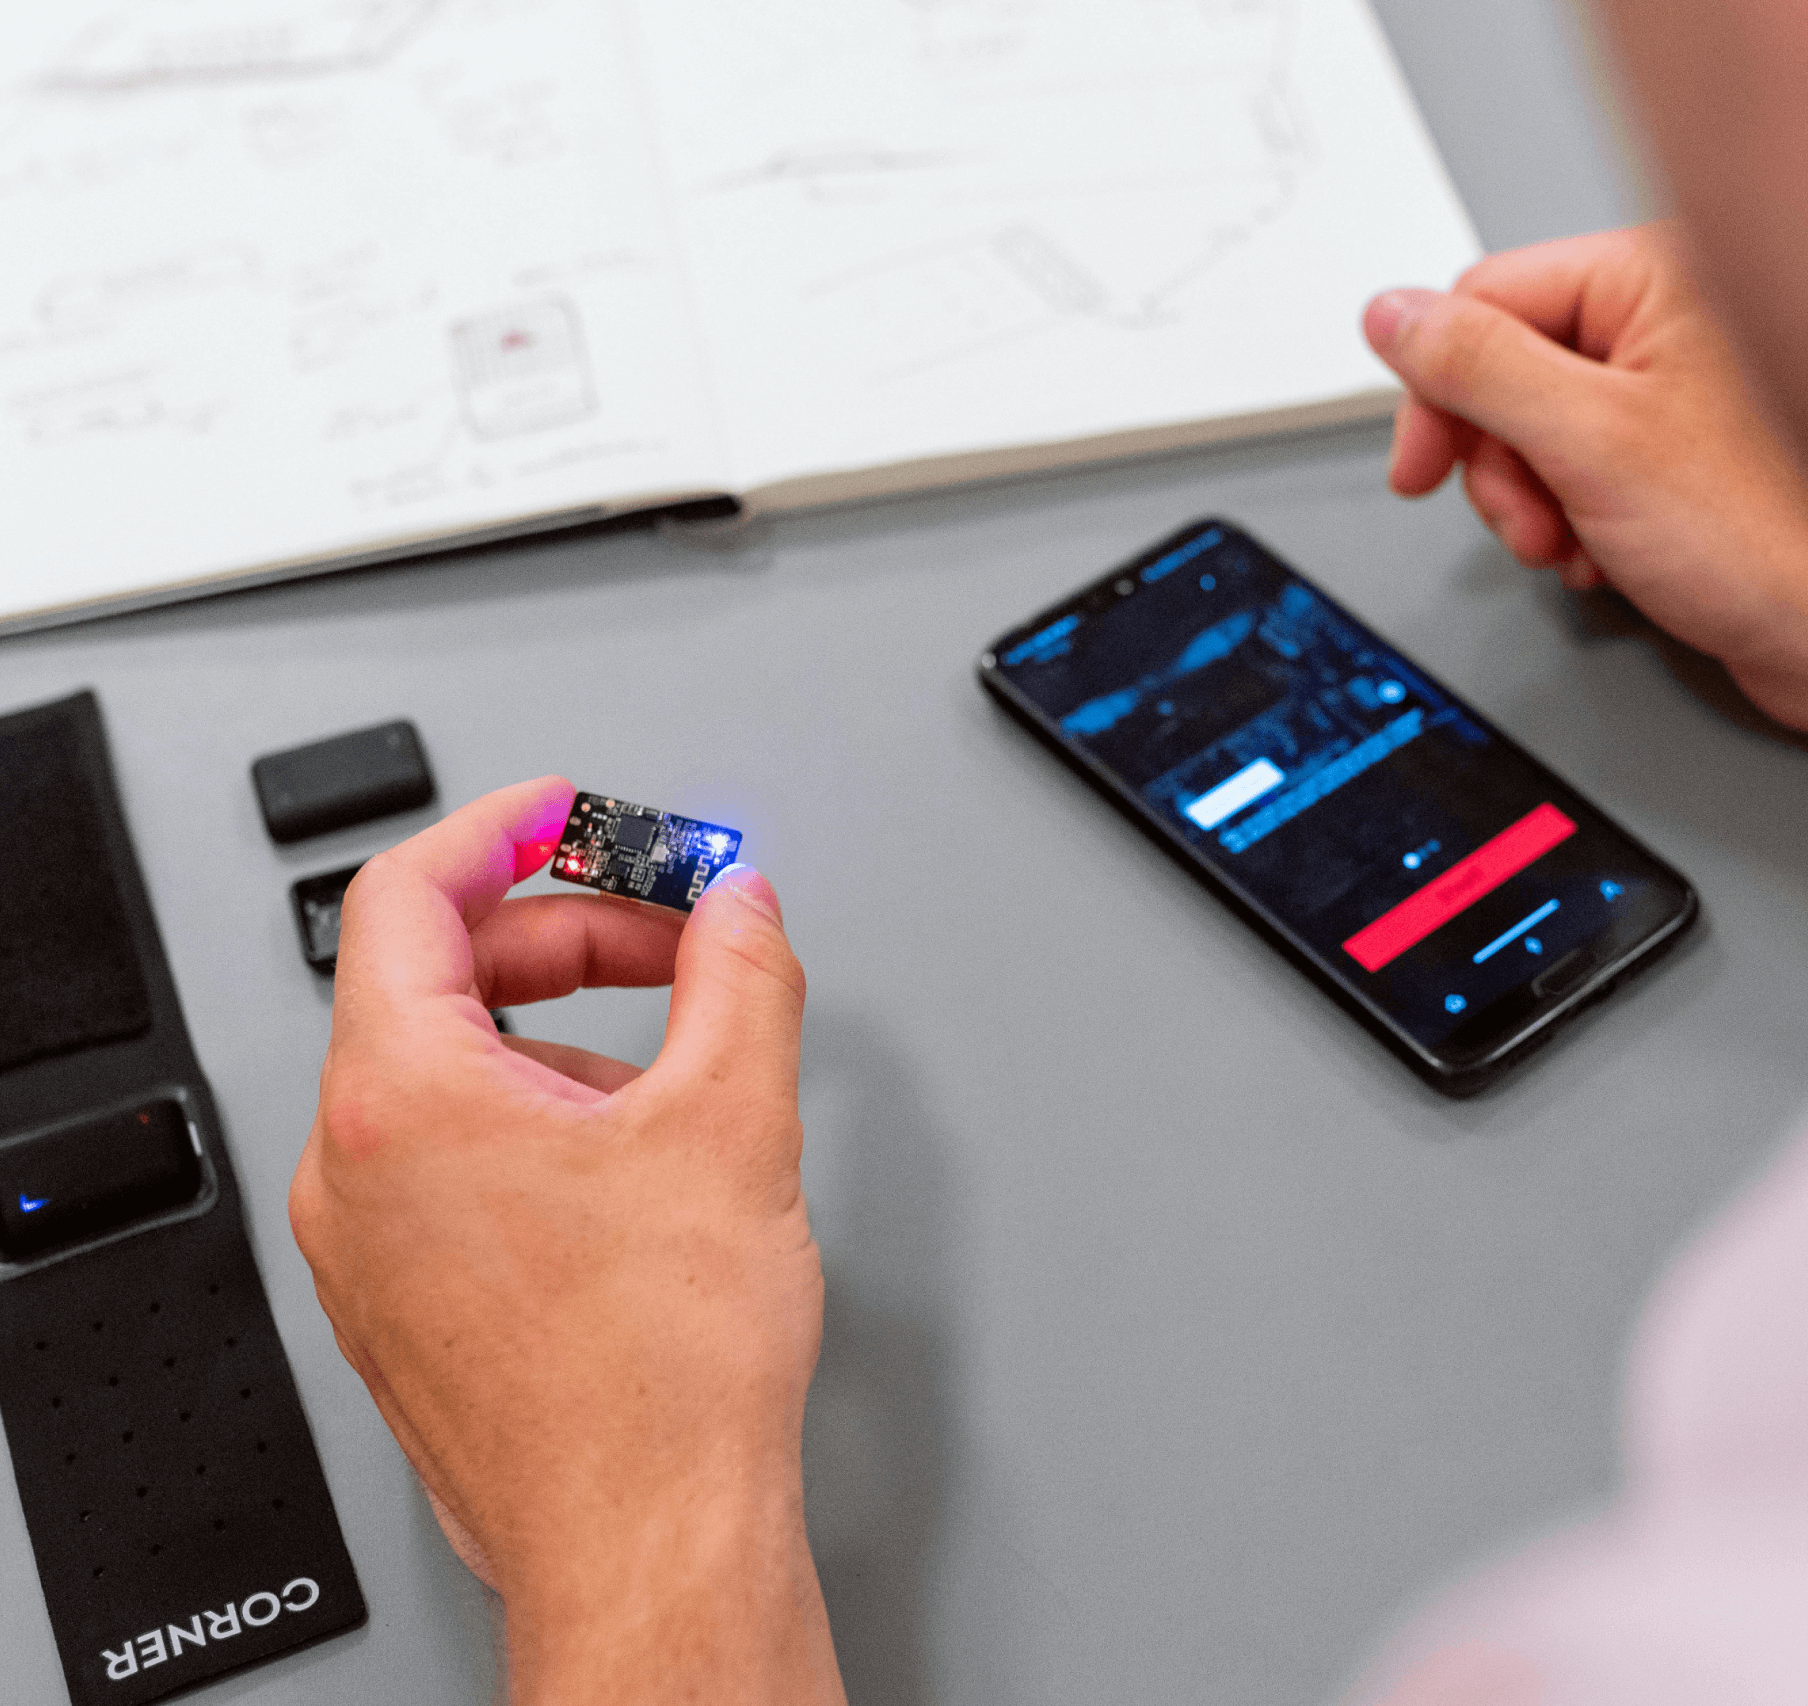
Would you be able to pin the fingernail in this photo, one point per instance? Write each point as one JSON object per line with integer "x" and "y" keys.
{"x": 1393, "y": 314}
{"x": 746, "y": 884}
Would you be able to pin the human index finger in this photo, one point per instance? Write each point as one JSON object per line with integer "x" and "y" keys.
{"x": 409, "y": 913}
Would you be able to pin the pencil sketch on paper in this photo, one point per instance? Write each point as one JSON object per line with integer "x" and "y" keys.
{"x": 522, "y": 369}
{"x": 287, "y": 134}
{"x": 330, "y": 336}
{"x": 94, "y": 302}
{"x": 416, "y": 478}
{"x": 971, "y": 34}
{"x": 1036, "y": 171}
{"x": 113, "y": 405}
{"x": 1055, "y": 44}
{"x": 947, "y": 302}
{"x": 158, "y": 43}
{"x": 511, "y": 124}
{"x": 97, "y": 353}
{"x": 357, "y": 306}
{"x": 951, "y": 300}
{"x": 839, "y": 173}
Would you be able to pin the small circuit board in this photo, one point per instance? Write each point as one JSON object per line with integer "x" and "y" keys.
{"x": 642, "y": 853}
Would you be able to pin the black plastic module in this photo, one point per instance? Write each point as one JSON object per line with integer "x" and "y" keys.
{"x": 350, "y": 779}
{"x": 318, "y": 902}
{"x": 92, "y": 1176}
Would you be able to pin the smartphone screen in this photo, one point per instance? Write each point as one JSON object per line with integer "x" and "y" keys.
{"x": 1452, "y": 889}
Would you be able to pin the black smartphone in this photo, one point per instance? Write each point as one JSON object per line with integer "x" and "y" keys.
{"x": 1432, "y": 875}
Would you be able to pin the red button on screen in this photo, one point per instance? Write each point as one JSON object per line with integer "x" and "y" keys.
{"x": 1459, "y": 888}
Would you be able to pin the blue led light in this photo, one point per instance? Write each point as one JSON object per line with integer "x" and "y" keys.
{"x": 1179, "y": 558}
{"x": 1611, "y": 891}
{"x": 1454, "y": 1004}
{"x": 31, "y": 1205}
{"x": 1390, "y": 693}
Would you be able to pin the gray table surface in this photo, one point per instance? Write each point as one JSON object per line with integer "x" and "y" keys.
{"x": 1178, "y": 1341}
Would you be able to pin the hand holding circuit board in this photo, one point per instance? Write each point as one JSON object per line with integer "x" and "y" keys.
{"x": 511, "y": 1235}
{"x": 647, "y": 855}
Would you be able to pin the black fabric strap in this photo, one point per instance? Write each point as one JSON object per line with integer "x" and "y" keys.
{"x": 177, "y": 1510}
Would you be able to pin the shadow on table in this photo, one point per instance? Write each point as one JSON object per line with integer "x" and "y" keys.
{"x": 877, "y": 1434}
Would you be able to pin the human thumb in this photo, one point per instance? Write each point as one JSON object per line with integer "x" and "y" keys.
{"x": 737, "y": 995}
{"x": 1493, "y": 370}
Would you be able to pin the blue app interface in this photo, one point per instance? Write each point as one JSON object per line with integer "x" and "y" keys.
{"x": 1432, "y": 866}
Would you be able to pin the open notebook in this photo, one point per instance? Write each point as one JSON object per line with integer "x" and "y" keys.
{"x": 290, "y": 283}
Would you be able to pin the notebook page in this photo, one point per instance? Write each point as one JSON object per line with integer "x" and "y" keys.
{"x": 288, "y": 278}
{"x": 920, "y": 227}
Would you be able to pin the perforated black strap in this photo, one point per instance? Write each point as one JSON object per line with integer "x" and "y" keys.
{"x": 177, "y": 1510}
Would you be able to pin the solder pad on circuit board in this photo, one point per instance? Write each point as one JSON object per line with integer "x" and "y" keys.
{"x": 620, "y": 848}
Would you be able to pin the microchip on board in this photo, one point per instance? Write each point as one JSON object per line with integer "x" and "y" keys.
{"x": 649, "y": 855}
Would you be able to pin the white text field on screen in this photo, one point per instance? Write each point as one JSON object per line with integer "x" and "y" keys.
{"x": 1231, "y": 796}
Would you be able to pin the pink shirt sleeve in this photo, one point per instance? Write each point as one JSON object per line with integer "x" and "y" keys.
{"x": 1693, "y": 1589}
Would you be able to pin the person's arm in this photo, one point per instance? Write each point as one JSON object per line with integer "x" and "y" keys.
{"x": 1604, "y": 430}
{"x": 585, "y": 1298}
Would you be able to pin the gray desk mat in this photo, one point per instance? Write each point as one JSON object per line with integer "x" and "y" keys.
{"x": 1177, "y": 1339}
